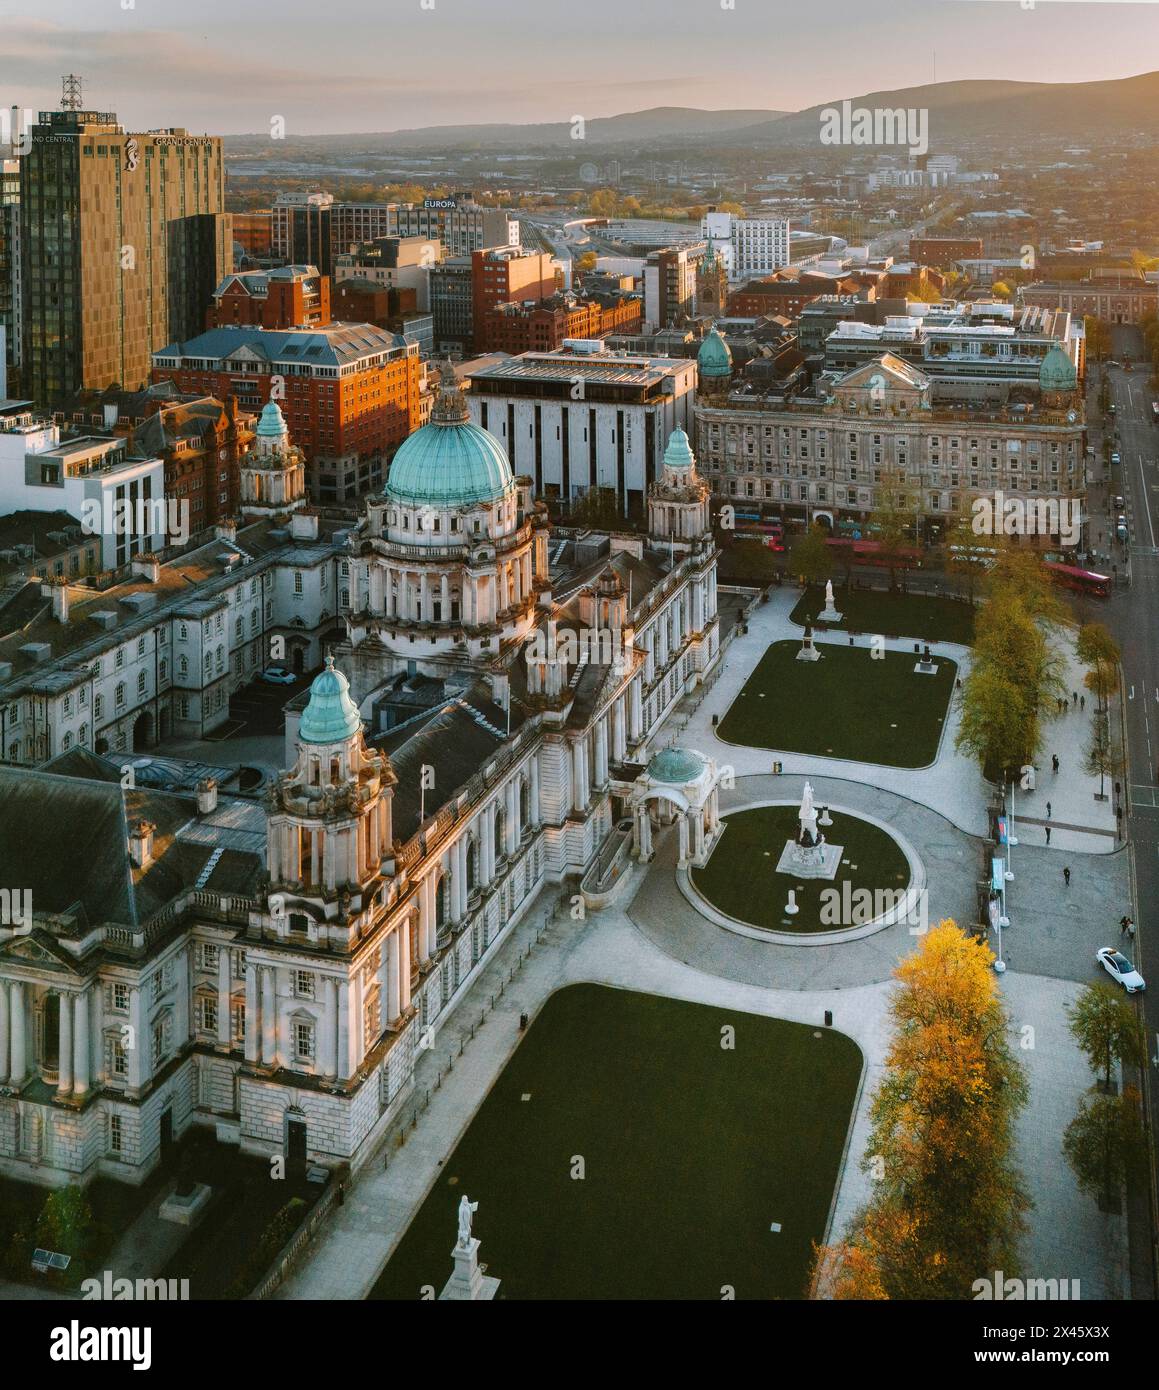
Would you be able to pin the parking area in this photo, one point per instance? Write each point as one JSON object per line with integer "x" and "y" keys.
{"x": 258, "y": 707}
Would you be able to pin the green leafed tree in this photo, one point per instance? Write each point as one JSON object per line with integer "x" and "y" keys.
{"x": 1107, "y": 1029}
{"x": 812, "y": 558}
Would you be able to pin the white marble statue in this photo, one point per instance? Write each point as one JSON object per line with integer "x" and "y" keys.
{"x": 466, "y": 1209}
{"x": 807, "y": 810}
{"x": 829, "y": 593}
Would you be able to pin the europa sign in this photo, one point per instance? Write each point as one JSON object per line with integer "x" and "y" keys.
{"x": 440, "y": 204}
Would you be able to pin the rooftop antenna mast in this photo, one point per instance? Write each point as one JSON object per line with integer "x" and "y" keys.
{"x": 70, "y": 92}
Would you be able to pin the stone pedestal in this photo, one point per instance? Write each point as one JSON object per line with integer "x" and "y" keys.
{"x": 808, "y": 651}
{"x": 816, "y": 861}
{"x": 468, "y": 1284}
{"x": 186, "y": 1210}
{"x": 829, "y": 614}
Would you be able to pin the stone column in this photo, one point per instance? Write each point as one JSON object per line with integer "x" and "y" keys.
{"x": 682, "y": 828}
{"x": 96, "y": 1018}
{"x": 342, "y": 1023}
{"x": 224, "y": 1022}
{"x": 137, "y": 1044}
{"x": 579, "y": 776}
{"x": 82, "y": 1047}
{"x": 601, "y": 751}
{"x": 354, "y": 1027}
{"x": 5, "y": 1031}
{"x": 533, "y": 790}
{"x": 636, "y": 712}
{"x": 445, "y": 597}
{"x": 18, "y": 1065}
{"x": 393, "y": 986}
{"x": 405, "y": 966}
{"x": 328, "y": 1051}
{"x": 487, "y": 844}
{"x": 64, "y": 1044}
{"x": 269, "y": 1017}
{"x": 253, "y": 1016}
{"x": 514, "y": 831}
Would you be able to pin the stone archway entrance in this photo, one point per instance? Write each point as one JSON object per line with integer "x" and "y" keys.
{"x": 143, "y": 736}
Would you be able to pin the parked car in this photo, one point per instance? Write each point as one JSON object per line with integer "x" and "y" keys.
{"x": 1117, "y": 503}
{"x": 1115, "y": 457}
{"x": 1121, "y": 531}
{"x": 277, "y": 675}
{"x": 1120, "y": 969}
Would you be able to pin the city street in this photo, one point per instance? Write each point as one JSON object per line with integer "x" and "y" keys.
{"x": 1130, "y": 617}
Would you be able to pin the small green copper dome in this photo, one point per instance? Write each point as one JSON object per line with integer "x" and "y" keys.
{"x": 330, "y": 716}
{"x": 678, "y": 453}
{"x": 450, "y": 462}
{"x": 714, "y": 358}
{"x": 676, "y": 766}
{"x": 272, "y": 424}
{"x": 1057, "y": 372}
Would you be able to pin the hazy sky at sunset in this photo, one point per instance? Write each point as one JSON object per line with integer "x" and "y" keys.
{"x": 360, "y": 65}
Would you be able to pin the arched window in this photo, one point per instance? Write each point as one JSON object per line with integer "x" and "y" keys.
{"x": 441, "y": 903}
{"x": 500, "y": 830}
{"x": 471, "y": 864}
{"x": 524, "y": 803}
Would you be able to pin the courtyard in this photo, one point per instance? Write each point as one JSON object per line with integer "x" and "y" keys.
{"x": 635, "y": 1148}
{"x": 854, "y": 703}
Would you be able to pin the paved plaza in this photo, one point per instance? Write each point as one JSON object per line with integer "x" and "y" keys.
{"x": 652, "y": 939}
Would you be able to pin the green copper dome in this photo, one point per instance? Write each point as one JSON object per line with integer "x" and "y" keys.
{"x": 1057, "y": 372}
{"x": 678, "y": 453}
{"x": 331, "y": 716}
{"x": 676, "y": 766}
{"x": 450, "y": 462}
{"x": 272, "y": 424}
{"x": 714, "y": 358}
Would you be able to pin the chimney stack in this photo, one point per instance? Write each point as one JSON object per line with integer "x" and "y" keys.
{"x": 58, "y": 592}
{"x": 141, "y": 844}
{"x": 206, "y": 796}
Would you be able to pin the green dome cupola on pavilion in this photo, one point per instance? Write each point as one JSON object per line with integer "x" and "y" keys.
{"x": 330, "y": 716}
{"x": 450, "y": 462}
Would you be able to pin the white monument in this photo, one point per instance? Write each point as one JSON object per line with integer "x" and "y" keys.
{"x": 808, "y": 651}
{"x": 829, "y": 613}
{"x": 810, "y": 855}
{"x": 468, "y": 1284}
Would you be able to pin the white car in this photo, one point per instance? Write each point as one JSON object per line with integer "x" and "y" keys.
{"x": 1120, "y": 969}
{"x": 277, "y": 675}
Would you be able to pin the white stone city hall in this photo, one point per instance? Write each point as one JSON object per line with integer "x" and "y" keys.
{"x": 483, "y": 730}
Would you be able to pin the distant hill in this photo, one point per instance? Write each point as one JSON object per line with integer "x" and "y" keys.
{"x": 961, "y": 112}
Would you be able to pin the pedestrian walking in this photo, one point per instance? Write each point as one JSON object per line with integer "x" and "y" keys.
{"x": 1075, "y": 697}
{"x": 1048, "y": 810}
{"x": 1054, "y": 762}
{"x": 1123, "y": 924}
{"x": 1082, "y": 702}
{"x": 1130, "y": 928}
{"x": 1066, "y": 875}
{"x": 1048, "y": 834}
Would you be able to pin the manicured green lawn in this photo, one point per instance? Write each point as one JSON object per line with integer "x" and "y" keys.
{"x": 741, "y": 877}
{"x": 849, "y": 704}
{"x": 933, "y": 619}
{"x": 691, "y": 1151}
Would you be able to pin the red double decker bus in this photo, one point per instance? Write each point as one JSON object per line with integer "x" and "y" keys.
{"x": 874, "y": 553}
{"x": 1079, "y": 581}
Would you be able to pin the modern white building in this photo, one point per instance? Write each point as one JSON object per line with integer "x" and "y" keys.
{"x": 271, "y": 973}
{"x": 747, "y": 245}
{"x": 120, "y": 498}
{"x": 584, "y": 417}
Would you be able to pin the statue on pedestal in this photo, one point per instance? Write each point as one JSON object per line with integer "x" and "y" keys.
{"x": 466, "y": 1210}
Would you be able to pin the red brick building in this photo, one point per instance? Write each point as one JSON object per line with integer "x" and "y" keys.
{"x": 293, "y": 296}
{"x": 507, "y": 275}
{"x": 943, "y": 251}
{"x": 349, "y": 392}
{"x": 786, "y": 294}
{"x": 201, "y": 443}
{"x": 518, "y": 328}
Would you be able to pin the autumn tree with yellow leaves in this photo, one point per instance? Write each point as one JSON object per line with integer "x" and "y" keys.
{"x": 948, "y": 1203}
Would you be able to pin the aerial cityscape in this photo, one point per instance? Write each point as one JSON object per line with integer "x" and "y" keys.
{"x": 577, "y": 609}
